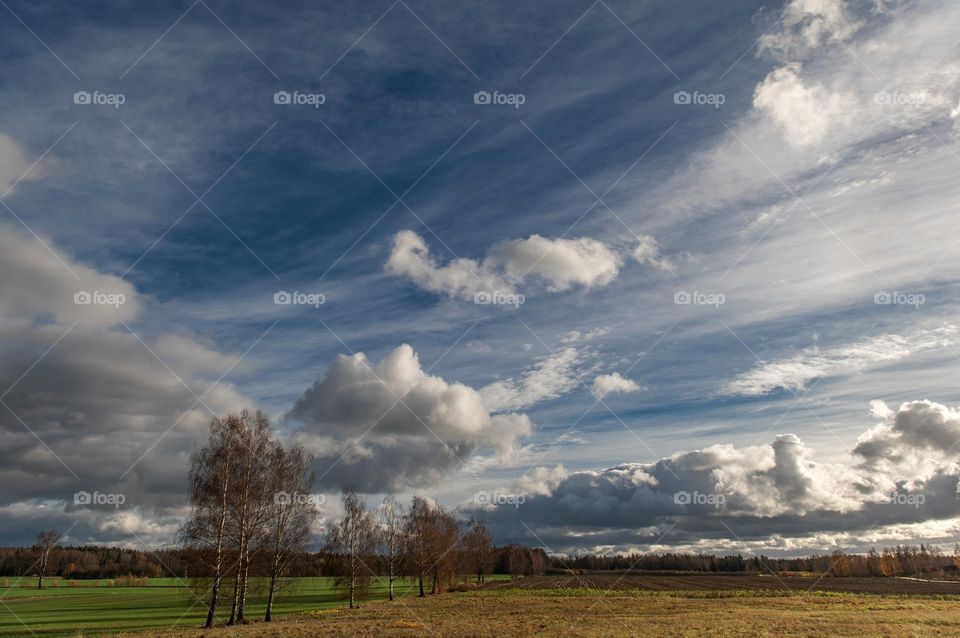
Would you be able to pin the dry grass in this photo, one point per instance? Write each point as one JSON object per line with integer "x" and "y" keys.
{"x": 617, "y": 613}
{"x": 725, "y": 583}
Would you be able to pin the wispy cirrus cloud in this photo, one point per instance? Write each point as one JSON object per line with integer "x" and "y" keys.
{"x": 794, "y": 372}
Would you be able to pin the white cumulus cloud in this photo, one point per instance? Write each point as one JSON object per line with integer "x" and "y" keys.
{"x": 560, "y": 264}
{"x": 610, "y": 383}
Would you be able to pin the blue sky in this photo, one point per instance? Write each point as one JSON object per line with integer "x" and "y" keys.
{"x": 805, "y": 196}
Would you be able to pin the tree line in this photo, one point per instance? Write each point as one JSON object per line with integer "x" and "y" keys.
{"x": 901, "y": 560}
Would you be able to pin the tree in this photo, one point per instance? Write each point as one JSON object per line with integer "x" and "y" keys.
{"x": 431, "y": 545}
{"x": 391, "y": 519}
{"x": 352, "y": 543}
{"x": 229, "y": 496}
{"x": 46, "y": 542}
{"x": 517, "y": 561}
{"x": 417, "y": 532}
{"x": 442, "y": 545}
{"x": 478, "y": 549}
{"x": 292, "y": 515}
{"x": 205, "y": 532}
{"x": 249, "y": 504}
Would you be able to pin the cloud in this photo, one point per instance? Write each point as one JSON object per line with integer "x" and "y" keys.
{"x": 806, "y": 25}
{"x": 805, "y": 113}
{"x": 609, "y": 383}
{"x": 14, "y": 165}
{"x": 41, "y": 283}
{"x": 826, "y": 103}
{"x": 754, "y": 494}
{"x": 392, "y": 425}
{"x": 647, "y": 252}
{"x": 561, "y": 264}
{"x": 549, "y": 378}
{"x": 793, "y": 373}
{"x": 463, "y": 278}
{"x": 924, "y": 427}
{"x": 85, "y": 400}
{"x": 541, "y": 480}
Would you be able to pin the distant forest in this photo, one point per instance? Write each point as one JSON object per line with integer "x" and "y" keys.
{"x": 87, "y": 562}
{"x": 901, "y": 560}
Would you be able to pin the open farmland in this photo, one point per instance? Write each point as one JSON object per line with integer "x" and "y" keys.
{"x": 102, "y": 607}
{"x": 619, "y": 613}
{"x": 588, "y": 605}
{"x": 688, "y": 582}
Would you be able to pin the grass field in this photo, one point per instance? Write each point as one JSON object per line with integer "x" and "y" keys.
{"x": 94, "y": 607}
{"x": 585, "y": 606}
{"x": 617, "y": 613}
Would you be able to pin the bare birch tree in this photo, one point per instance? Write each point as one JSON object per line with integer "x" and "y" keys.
{"x": 46, "y": 542}
{"x": 392, "y": 536}
{"x": 205, "y": 532}
{"x": 249, "y": 506}
{"x": 417, "y": 533}
{"x": 293, "y": 513}
{"x": 352, "y": 544}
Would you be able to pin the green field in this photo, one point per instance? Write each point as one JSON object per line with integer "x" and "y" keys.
{"x": 97, "y": 607}
{"x": 545, "y": 606}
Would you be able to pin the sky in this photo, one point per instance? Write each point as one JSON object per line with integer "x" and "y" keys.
{"x": 611, "y": 277}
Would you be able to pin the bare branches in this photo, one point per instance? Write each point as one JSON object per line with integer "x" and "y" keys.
{"x": 238, "y": 516}
{"x": 352, "y": 544}
{"x": 46, "y": 542}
